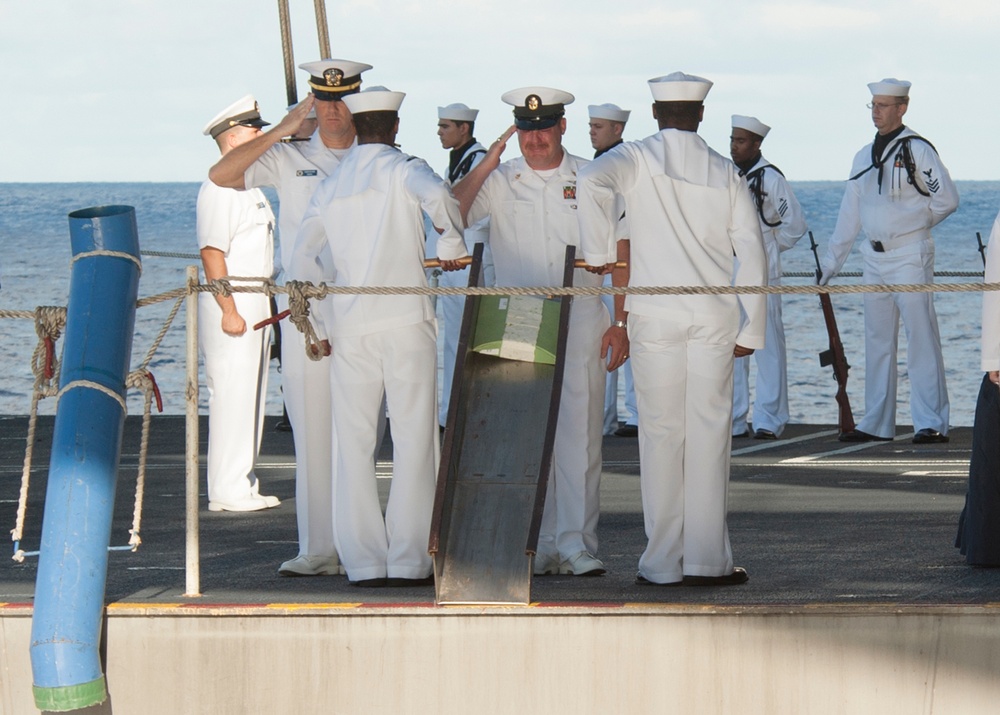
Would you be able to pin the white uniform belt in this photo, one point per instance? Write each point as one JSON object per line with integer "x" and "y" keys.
{"x": 898, "y": 241}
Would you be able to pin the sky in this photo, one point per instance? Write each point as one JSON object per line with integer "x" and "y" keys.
{"x": 119, "y": 90}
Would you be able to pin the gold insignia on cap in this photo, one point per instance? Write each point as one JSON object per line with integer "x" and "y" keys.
{"x": 533, "y": 102}
{"x": 333, "y": 77}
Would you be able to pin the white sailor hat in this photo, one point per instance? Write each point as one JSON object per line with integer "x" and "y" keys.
{"x": 679, "y": 87}
{"x": 243, "y": 112}
{"x": 537, "y": 107}
{"x": 312, "y": 111}
{"x": 890, "y": 87}
{"x": 332, "y": 79}
{"x": 751, "y": 124}
{"x": 458, "y": 112}
{"x": 374, "y": 99}
{"x": 611, "y": 112}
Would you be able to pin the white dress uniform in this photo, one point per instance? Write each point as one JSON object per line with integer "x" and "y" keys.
{"x": 367, "y": 218}
{"x": 295, "y": 170}
{"x": 896, "y": 216}
{"x": 532, "y": 220}
{"x": 688, "y": 212}
{"x": 782, "y": 224}
{"x": 241, "y": 225}
{"x": 452, "y": 306}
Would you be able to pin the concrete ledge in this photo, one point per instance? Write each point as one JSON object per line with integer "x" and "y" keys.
{"x": 624, "y": 658}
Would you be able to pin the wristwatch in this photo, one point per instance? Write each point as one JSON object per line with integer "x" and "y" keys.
{"x": 620, "y": 324}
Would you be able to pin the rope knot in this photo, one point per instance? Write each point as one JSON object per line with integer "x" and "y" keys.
{"x": 298, "y": 308}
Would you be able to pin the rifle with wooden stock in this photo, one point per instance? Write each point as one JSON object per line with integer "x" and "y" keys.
{"x": 834, "y": 355}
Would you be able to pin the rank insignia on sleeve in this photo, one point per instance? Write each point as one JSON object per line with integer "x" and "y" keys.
{"x": 932, "y": 184}
{"x": 569, "y": 192}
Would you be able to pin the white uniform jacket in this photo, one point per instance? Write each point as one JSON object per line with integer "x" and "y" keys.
{"x": 893, "y": 212}
{"x": 295, "y": 169}
{"x": 518, "y": 202}
{"x": 675, "y": 173}
{"x": 241, "y": 225}
{"x": 368, "y": 214}
{"x": 991, "y": 303}
{"x": 782, "y": 222}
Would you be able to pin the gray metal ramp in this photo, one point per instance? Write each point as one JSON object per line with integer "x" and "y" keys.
{"x": 494, "y": 468}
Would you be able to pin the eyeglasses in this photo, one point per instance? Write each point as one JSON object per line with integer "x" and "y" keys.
{"x": 881, "y": 106}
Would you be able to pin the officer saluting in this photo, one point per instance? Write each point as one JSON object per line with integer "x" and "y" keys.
{"x": 898, "y": 191}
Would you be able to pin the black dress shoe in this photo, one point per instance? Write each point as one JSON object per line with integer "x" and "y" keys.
{"x": 737, "y": 577}
{"x": 370, "y": 583}
{"x": 856, "y": 435}
{"x": 627, "y": 431}
{"x": 399, "y": 582}
{"x": 641, "y": 580}
{"x": 741, "y": 435}
{"x": 764, "y": 434}
{"x": 929, "y": 436}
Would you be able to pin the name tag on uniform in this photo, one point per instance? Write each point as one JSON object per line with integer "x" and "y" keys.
{"x": 306, "y": 172}
{"x": 260, "y": 204}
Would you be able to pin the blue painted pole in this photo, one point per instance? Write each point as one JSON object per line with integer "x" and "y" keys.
{"x": 83, "y": 471}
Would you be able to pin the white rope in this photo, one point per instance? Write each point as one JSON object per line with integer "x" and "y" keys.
{"x": 111, "y": 254}
{"x": 93, "y": 386}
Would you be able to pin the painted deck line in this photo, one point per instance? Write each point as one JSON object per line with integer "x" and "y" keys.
{"x": 845, "y": 450}
{"x": 776, "y": 443}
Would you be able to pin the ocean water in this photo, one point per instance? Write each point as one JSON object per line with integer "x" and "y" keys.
{"x": 34, "y": 270}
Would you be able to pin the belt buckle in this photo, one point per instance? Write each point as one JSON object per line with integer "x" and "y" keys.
{"x": 878, "y": 247}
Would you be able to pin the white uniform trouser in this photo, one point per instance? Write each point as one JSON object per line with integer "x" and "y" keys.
{"x": 305, "y": 385}
{"x": 399, "y": 364}
{"x": 912, "y": 263}
{"x": 452, "y": 307}
{"x": 572, "y": 498}
{"x": 770, "y": 405}
{"x": 611, "y": 385}
{"x": 236, "y": 377}
{"x": 683, "y": 376}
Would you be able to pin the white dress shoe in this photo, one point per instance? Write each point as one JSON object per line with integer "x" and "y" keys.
{"x": 583, "y": 564}
{"x": 251, "y": 503}
{"x": 305, "y": 565}
{"x": 546, "y": 565}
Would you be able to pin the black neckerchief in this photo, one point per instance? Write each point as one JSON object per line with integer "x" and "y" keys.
{"x": 458, "y": 168}
{"x": 882, "y": 141}
{"x": 608, "y": 148}
{"x": 745, "y": 166}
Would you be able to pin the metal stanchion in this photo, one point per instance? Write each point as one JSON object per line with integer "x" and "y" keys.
{"x": 192, "y": 562}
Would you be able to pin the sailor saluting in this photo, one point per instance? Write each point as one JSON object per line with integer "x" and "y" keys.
{"x": 295, "y": 170}
{"x": 898, "y": 190}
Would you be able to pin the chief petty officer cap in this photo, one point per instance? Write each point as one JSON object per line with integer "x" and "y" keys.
{"x": 890, "y": 87}
{"x": 458, "y": 112}
{"x": 537, "y": 107}
{"x": 374, "y": 99}
{"x": 611, "y": 112}
{"x": 243, "y": 112}
{"x": 331, "y": 80}
{"x": 679, "y": 87}
{"x": 751, "y": 124}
